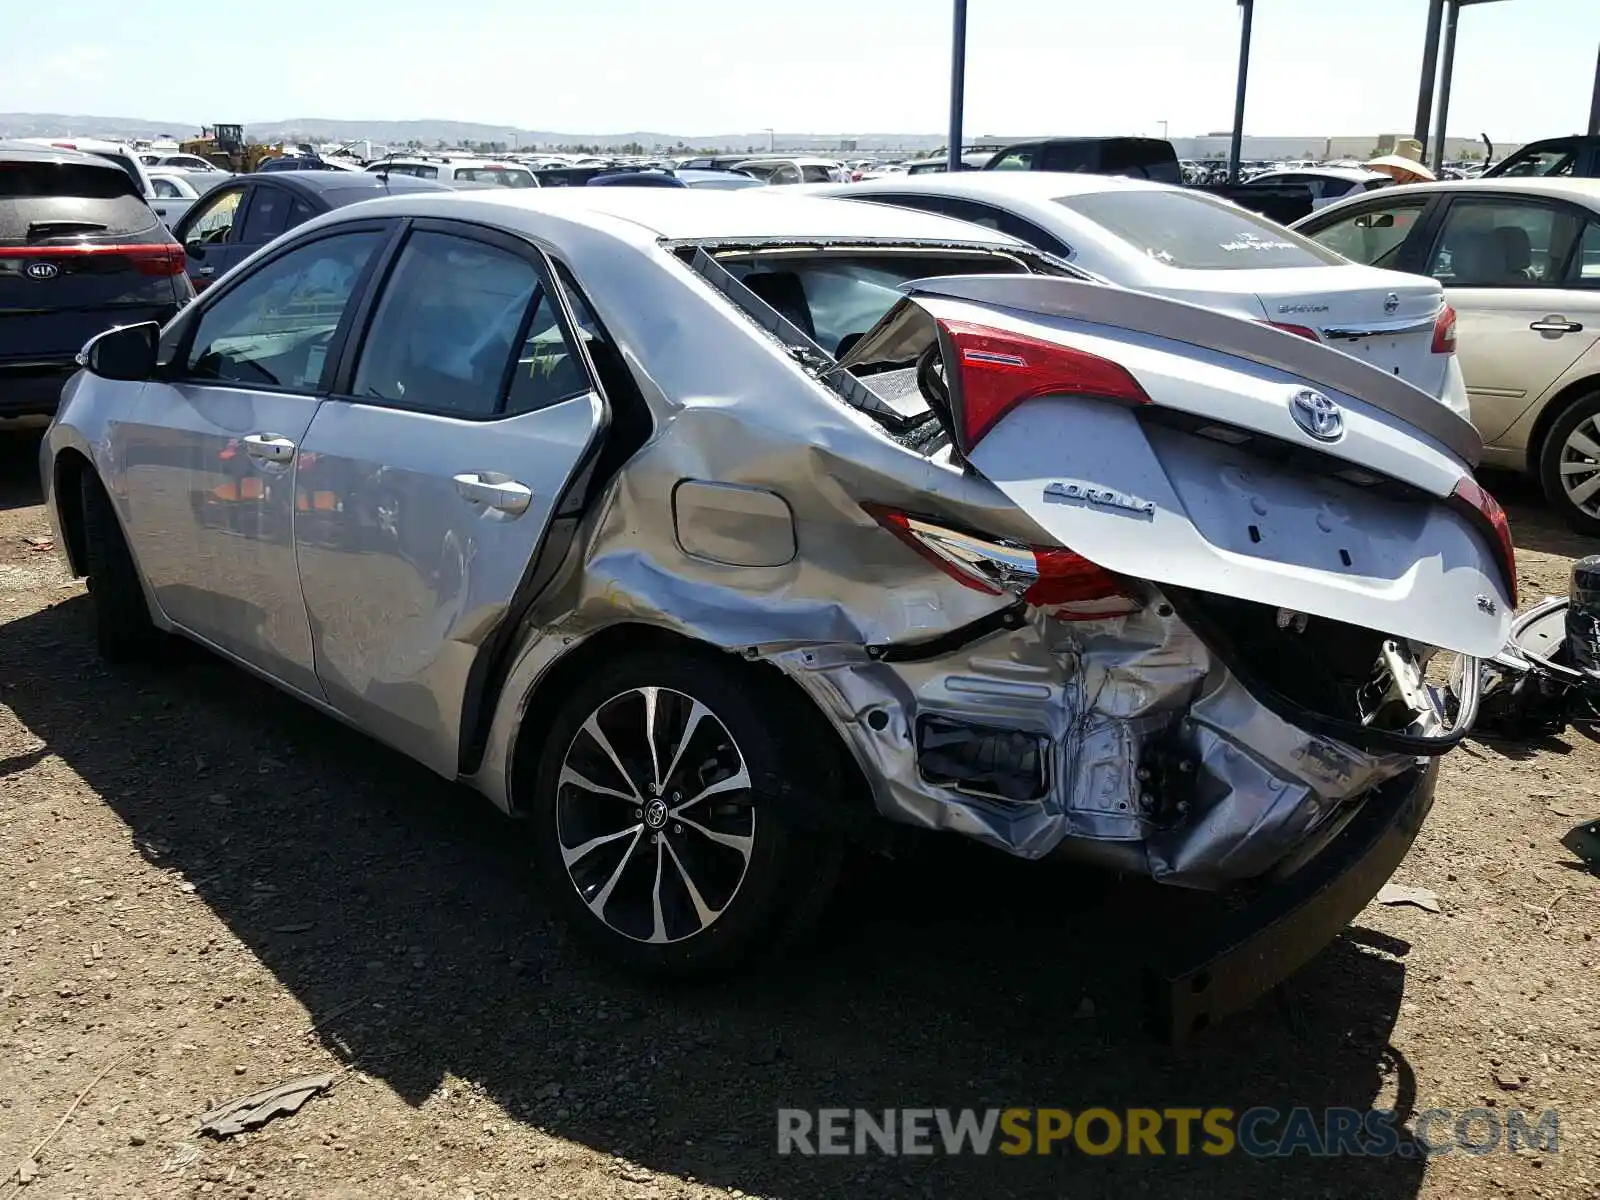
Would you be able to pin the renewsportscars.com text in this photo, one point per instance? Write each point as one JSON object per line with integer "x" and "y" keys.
{"x": 1258, "y": 1132}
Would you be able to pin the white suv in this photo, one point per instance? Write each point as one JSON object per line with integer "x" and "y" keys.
{"x": 446, "y": 169}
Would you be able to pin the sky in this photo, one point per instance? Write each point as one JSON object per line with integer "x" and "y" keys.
{"x": 1524, "y": 68}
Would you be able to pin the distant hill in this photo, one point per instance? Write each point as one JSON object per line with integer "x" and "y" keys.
{"x": 452, "y": 133}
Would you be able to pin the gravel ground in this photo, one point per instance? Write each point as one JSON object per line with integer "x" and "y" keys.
{"x": 212, "y": 890}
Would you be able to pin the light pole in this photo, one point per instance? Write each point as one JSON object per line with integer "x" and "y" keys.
{"x": 771, "y": 145}
{"x": 1248, "y": 7}
{"x": 958, "y": 84}
{"x": 1446, "y": 77}
{"x": 1163, "y": 125}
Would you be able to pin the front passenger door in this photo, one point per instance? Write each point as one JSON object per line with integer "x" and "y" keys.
{"x": 426, "y": 490}
{"x": 210, "y": 233}
{"x": 213, "y": 445}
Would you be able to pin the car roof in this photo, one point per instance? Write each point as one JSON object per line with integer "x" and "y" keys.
{"x": 16, "y": 150}
{"x": 1583, "y": 191}
{"x": 84, "y": 143}
{"x": 1024, "y": 185}
{"x": 1351, "y": 174}
{"x": 806, "y": 160}
{"x": 318, "y": 182}
{"x": 704, "y": 214}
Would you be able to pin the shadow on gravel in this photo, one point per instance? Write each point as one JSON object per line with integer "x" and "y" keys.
{"x": 19, "y": 468}
{"x": 952, "y": 982}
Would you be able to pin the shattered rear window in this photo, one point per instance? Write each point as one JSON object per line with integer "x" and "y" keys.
{"x": 836, "y": 297}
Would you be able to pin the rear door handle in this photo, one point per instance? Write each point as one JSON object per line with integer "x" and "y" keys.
{"x": 268, "y": 447}
{"x": 1556, "y": 324}
{"x": 506, "y": 495}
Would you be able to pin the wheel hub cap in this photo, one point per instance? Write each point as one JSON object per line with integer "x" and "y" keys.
{"x": 655, "y": 818}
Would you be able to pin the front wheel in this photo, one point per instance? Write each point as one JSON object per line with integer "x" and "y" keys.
{"x": 122, "y": 626}
{"x": 658, "y": 815}
{"x": 1569, "y": 464}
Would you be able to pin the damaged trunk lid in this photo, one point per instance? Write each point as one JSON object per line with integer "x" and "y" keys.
{"x": 1181, "y": 446}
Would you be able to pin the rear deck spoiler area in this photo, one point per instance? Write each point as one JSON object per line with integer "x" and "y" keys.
{"x": 1176, "y": 320}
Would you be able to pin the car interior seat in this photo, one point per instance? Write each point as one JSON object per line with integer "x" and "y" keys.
{"x": 1515, "y": 251}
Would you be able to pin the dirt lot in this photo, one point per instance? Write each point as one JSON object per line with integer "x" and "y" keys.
{"x": 195, "y": 872}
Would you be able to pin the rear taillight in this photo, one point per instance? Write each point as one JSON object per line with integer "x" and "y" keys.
{"x": 1484, "y": 511}
{"x": 1444, "y": 331}
{"x": 154, "y": 258}
{"x": 1047, "y": 576}
{"x": 997, "y": 370}
{"x": 1304, "y": 331}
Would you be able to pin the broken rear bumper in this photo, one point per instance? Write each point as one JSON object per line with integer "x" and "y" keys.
{"x": 1257, "y": 947}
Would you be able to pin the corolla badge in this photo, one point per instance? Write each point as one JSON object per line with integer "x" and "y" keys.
{"x": 1094, "y": 493}
{"x": 1391, "y": 303}
{"x": 1317, "y": 415}
{"x": 43, "y": 270}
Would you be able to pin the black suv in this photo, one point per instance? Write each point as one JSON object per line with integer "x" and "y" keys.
{"x": 80, "y": 252}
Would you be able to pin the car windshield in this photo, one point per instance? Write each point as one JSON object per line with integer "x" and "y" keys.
{"x": 1179, "y": 229}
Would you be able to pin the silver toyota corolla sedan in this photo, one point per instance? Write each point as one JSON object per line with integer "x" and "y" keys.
{"x": 709, "y": 534}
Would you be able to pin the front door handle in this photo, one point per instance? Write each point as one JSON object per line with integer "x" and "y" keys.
{"x": 505, "y": 495}
{"x": 1555, "y": 323}
{"x": 268, "y": 447}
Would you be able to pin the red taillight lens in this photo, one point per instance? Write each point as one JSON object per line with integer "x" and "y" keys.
{"x": 1444, "y": 331}
{"x": 1304, "y": 331}
{"x": 155, "y": 258}
{"x": 995, "y": 371}
{"x": 1045, "y": 576}
{"x": 1485, "y": 511}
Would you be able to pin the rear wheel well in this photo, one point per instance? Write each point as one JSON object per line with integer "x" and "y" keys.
{"x": 1551, "y": 412}
{"x": 70, "y": 469}
{"x": 838, "y": 773}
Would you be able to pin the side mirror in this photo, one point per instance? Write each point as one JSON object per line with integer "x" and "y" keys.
{"x": 194, "y": 248}
{"x": 127, "y": 352}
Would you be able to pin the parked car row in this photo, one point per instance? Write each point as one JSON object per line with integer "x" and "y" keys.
{"x": 713, "y": 533}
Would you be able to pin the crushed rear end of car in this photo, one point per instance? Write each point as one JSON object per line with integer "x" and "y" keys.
{"x": 1208, "y": 664}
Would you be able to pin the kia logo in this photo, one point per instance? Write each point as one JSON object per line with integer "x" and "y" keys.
{"x": 43, "y": 270}
{"x": 1317, "y": 415}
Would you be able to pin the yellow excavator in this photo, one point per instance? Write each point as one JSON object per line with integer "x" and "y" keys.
{"x": 225, "y": 146}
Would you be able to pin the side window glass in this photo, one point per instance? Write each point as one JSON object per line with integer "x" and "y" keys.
{"x": 815, "y": 174}
{"x": 1584, "y": 270}
{"x": 426, "y": 172}
{"x": 1016, "y": 160}
{"x": 165, "y": 189}
{"x": 1373, "y": 237}
{"x": 445, "y": 330}
{"x": 786, "y": 174}
{"x": 1503, "y": 244}
{"x": 548, "y": 371}
{"x": 273, "y": 328}
{"x": 268, "y": 215}
{"x": 300, "y": 212}
{"x": 215, "y": 224}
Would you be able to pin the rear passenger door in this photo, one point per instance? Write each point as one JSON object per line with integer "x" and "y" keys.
{"x": 426, "y": 486}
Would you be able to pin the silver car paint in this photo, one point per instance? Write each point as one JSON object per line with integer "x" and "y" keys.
{"x": 732, "y": 409}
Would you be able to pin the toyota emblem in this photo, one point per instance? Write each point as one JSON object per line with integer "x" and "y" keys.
{"x": 1317, "y": 415}
{"x": 43, "y": 270}
{"x": 1391, "y": 303}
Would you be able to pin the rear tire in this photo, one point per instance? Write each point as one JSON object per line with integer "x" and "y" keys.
{"x": 1568, "y": 469}
{"x": 122, "y": 627}
{"x": 665, "y": 884}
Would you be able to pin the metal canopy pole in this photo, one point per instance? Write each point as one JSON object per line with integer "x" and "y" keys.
{"x": 1445, "y": 74}
{"x": 958, "y": 84}
{"x": 1594, "y": 105}
{"x": 1430, "y": 68}
{"x": 1249, "y": 7}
